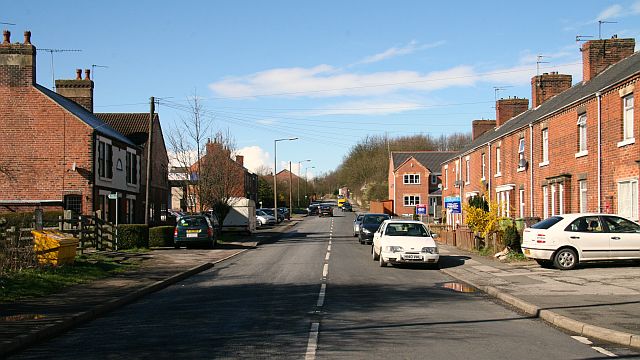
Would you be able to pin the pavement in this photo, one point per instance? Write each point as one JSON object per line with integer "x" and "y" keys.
{"x": 599, "y": 301}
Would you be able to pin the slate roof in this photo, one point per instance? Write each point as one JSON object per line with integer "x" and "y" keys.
{"x": 429, "y": 159}
{"x": 86, "y": 116}
{"x": 135, "y": 126}
{"x": 609, "y": 77}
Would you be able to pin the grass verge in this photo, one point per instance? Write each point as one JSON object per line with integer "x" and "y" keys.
{"x": 46, "y": 280}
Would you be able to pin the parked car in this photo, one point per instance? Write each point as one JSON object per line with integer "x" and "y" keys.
{"x": 284, "y": 211}
{"x": 567, "y": 240}
{"x": 356, "y": 224}
{"x": 263, "y": 218}
{"x": 370, "y": 224}
{"x": 279, "y": 218}
{"x": 313, "y": 209}
{"x": 194, "y": 230}
{"x": 404, "y": 241}
{"x": 325, "y": 210}
{"x": 346, "y": 207}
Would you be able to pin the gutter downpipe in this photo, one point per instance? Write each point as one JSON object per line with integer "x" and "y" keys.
{"x": 461, "y": 188}
{"x": 489, "y": 175}
{"x": 395, "y": 197}
{"x": 599, "y": 97}
{"x": 531, "y": 170}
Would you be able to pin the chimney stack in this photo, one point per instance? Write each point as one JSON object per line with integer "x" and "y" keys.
{"x": 548, "y": 85}
{"x": 17, "y": 61}
{"x": 240, "y": 160}
{"x": 79, "y": 90}
{"x": 598, "y": 55}
{"x": 507, "y": 109}
{"x": 479, "y": 127}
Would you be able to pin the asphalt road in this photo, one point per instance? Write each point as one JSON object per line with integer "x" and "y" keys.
{"x": 316, "y": 293}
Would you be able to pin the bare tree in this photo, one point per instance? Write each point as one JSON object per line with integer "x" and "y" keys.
{"x": 221, "y": 178}
{"x": 187, "y": 143}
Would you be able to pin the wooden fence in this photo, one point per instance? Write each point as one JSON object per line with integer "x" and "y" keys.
{"x": 463, "y": 238}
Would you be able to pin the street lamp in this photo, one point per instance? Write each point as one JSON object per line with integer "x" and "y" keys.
{"x": 275, "y": 168}
{"x": 299, "y": 164}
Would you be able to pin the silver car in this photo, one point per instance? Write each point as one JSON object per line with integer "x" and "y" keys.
{"x": 356, "y": 224}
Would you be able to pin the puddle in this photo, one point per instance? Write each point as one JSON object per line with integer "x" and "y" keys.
{"x": 459, "y": 287}
{"x": 22, "y": 317}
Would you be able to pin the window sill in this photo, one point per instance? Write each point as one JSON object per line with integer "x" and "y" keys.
{"x": 544, "y": 163}
{"x": 467, "y": 183}
{"x": 582, "y": 153}
{"x": 105, "y": 179}
{"x": 626, "y": 142}
{"x": 498, "y": 174}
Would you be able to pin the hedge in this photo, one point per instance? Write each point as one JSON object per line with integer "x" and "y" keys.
{"x": 132, "y": 236}
{"x": 25, "y": 219}
{"x": 161, "y": 236}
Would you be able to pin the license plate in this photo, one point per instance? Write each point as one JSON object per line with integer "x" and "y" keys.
{"x": 527, "y": 252}
{"x": 192, "y": 235}
{"x": 413, "y": 257}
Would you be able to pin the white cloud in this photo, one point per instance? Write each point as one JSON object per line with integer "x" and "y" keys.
{"x": 367, "y": 107}
{"x": 611, "y": 12}
{"x": 254, "y": 157}
{"x": 410, "y": 48}
{"x": 325, "y": 81}
{"x": 265, "y": 121}
{"x": 635, "y": 8}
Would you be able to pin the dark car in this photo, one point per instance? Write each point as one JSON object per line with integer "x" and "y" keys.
{"x": 280, "y": 217}
{"x": 369, "y": 225}
{"x": 313, "y": 209}
{"x": 346, "y": 207}
{"x": 326, "y": 210}
{"x": 194, "y": 230}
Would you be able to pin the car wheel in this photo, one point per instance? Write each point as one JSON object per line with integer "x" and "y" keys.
{"x": 374, "y": 256}
{"x": 565, "y": 259}
{"x": 545, "y": 263}
{"x": 381, "y": 261}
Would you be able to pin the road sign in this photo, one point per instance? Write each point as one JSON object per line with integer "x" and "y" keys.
{"x": 421, "y": 209}
{"x": 113, "y": 196}
{"x": 453, "y": 204}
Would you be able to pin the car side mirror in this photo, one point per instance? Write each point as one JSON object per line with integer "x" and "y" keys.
{"x": 434, "y": 235}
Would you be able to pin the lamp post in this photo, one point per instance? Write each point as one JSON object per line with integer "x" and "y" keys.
{"x": 275, "y": 180}
{"x": 299, "y": 164}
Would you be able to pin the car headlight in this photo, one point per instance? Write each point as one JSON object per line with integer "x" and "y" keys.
{"x": 393, "y": 249}
{"x": 430, "y": 250}
{"x": 366, "y": 231}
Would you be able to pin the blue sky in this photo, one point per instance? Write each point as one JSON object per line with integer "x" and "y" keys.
{"x": 328, "y": 72}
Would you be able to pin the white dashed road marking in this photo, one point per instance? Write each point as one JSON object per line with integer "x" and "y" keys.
{"x": 312, "y": 345}
{"x": 603, "y": 351}
{"x": 323, "y": 291}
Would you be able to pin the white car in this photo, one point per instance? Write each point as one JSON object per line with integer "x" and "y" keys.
{"x": 263, "y": 218}
{"x": 404, "y": 241}
{"x": 566, "y": 240}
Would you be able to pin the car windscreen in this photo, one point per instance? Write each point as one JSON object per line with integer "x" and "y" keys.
{"x": 547, "y": 223}
{"x": 374, "y": 219}
{"x": 404, "y": 229}
{"x": 193, "y": 221}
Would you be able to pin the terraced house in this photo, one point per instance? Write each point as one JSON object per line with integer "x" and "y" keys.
{"x": 575, "y": 150}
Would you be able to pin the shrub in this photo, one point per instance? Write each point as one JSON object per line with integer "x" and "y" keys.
{"x": 25, "y": 219}
{"x": 511, "y": 238}
{"x": 131, "y": 236}
{"x": 161, "y": 236}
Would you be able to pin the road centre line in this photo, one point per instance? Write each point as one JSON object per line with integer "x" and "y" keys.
{"x": 323, "y": 292}
{"x": 312, "y": 345}
{"x": 325, "y": 270}
{"x": 329, "y": 247}
{"x": 326, "y": 258}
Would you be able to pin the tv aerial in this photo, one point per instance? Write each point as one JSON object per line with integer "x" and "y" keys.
{"x": 51, "y": 51}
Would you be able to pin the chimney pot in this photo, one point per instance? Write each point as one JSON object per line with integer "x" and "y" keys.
{"x": 87, "y": 74}
{"x": 7, "y": 37}
{"x": 27, "y": 37}
{"x": 78, "y": 74}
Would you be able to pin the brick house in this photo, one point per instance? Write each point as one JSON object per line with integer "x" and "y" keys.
{"x": 414, "y": 178}
{"x": 573, "y": 151}
{"x": 54, "y": 153}
{"x": 135, "y": 126}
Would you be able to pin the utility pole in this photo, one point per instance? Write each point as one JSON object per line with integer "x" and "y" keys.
{"x": 290, "y": 192}
{"x": 148, "y": 177}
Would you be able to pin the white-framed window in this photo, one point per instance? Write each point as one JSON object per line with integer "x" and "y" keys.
{"x": 105, "y": 160}
{"x": 521, "y": 203}
{"x": 411, "y": 179}
{"x": 627, "y": 118}
{"x": 484, "y": 166}
{"x": 628, "y": 199}
{"x": 582, "y": 186}
{"x": 411, "y": 200}
{"x": 553, "y": 199}
{"x": 545, "y": 201}
{"x": 446, "y": 176}
{"x": 545, "y": 146}
{"x": 132, "y": 168}
{"x": 498, "y": 162}
{"x": 520, "y": 153}
{"x": 560, "y": 199}
{"x": 467, "y": 170}
{"x": 582, "y": 134}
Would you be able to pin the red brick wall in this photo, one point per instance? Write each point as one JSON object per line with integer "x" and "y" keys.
{"x": 506, "y": 109}
{"x": 38, "y": 145}
{"x": 412, "y": 166}
{"x": 479, "y": 127}
{"x": 597, "y": 55}
{"x": 546, "y": 86}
